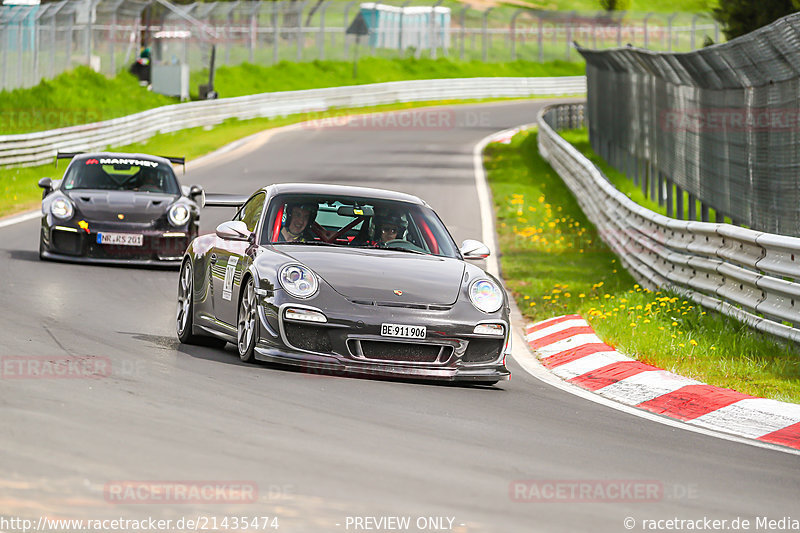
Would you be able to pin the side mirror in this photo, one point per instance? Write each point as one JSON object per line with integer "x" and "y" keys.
{"x": 198, "y": 195}
{"x": 472, "y": 249}
{"x": 233, "y": 230}
{"x": 47, "y": 185}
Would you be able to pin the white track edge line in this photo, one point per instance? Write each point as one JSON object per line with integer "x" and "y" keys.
{"x": 519, "y": 348}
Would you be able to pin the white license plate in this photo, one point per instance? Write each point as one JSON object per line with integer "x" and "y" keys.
{"x": 399, "y": 330}
{"x": 120, "y": 239}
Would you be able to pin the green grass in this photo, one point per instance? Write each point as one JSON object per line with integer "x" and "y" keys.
{"x": 81, "y": 96}
{"x": 75, "y": 97}
{"x": 285, "y": 76}
{"x": 18, "y": 186}
{"x": 554, "y": 263}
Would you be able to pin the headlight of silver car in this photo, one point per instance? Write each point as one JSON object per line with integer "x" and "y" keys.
{"x": 298, "y": 281}
{"x": 178, "y": 215}
{"x": 62, "y": 208}
{"x": 485, "y": 295}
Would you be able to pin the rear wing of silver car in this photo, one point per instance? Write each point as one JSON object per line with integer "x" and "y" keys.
{"x": 224, "y": 200}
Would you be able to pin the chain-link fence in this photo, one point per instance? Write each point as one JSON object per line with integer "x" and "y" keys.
{"x": 713, "y": 130}
{"x": 40, "y": 41}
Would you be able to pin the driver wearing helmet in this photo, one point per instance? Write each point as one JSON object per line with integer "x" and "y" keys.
{"x": 298, "y": 221}
{"x": 389, "y": 227}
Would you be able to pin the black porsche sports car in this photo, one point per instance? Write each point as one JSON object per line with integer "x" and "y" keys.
{"x": 118, "y": 208}
{"x": 345, "y": 279}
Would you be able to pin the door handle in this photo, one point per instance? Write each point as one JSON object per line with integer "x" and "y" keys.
{"x": 213, "y": 259}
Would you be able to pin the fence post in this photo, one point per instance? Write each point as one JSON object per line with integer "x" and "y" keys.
{"x": 112, "y": 36}
{"x": 463, "y": 31}
{"x": 275, "y": 36}
{"x": 669, "y": 30}
{"x": 694, "y": 30}
{"x": 678, "y": 203}
{"x": 254, "y": 30}
{"x": 346, "y": 24}
{"x": 20, "y": 62}
{"x": 485, "y": 41}
{"x": 646, "y": 37}
{"x": 569, "y": 33}
{"x": 4, "y": 43}
{"x": 692, "y": 206}
{"x": 619, "y": 29}
{"x": 513, "y": 30}
{"x": 301, "y": 6}
{"x": 540, "y": 37}
{"x": 704, "y": 215}
{"x": 432, "y": 29}
{"x": 402, "y": 20}
{"x": 322, "y": 30}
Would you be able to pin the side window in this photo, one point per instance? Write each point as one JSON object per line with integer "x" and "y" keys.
{"x": 250, "y": 213}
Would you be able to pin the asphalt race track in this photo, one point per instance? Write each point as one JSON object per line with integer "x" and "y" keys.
{"x": 320, "y": 449}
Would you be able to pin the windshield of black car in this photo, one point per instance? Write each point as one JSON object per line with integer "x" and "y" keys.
{"x": 115, "y": 174}
{"x": 357, "y": 222}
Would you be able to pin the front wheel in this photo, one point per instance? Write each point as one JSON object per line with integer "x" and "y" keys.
{"x": 247, "y": 324}
{"x": 184, "y": 316}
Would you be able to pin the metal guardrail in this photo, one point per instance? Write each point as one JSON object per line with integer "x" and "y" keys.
{"x": 749, "y": 275}
{"x": 30, "y": 149}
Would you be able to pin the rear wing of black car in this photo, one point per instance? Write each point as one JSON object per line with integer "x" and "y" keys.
{"x": 176, "y": 160}
{"x": 224, "y": 200}
{"x": 66, "y": 155}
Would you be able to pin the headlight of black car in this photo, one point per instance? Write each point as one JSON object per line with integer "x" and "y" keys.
{"x": 485, "y": 295}
{"x": 299, "y": 281}
{"x": 62, "y": 208}
{"x": 178, "y": 215}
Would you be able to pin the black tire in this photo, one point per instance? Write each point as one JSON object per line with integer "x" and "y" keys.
{"x": 247, "y": 323}
{"x": 184, "y": 319}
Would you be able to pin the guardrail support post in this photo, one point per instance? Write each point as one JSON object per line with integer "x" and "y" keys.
{"x": 661, "y": 188}
{"x": 692, "y": 207}
{"x": 678, "y": 203}
{"x": 704, "y": 216}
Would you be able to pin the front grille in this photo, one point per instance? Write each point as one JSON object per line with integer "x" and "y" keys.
{"x": 482, "y": 350}
{"x": 309, "y": 338}
{"x": 67, "y": 242}
{"x": 399, "y": 351}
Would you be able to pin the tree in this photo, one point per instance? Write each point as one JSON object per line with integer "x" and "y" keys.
{"x": 739, "y": 17}
{"x": 616, "y": 5}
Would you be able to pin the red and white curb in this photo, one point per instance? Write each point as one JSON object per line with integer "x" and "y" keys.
{"x": 570, "y": 349}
